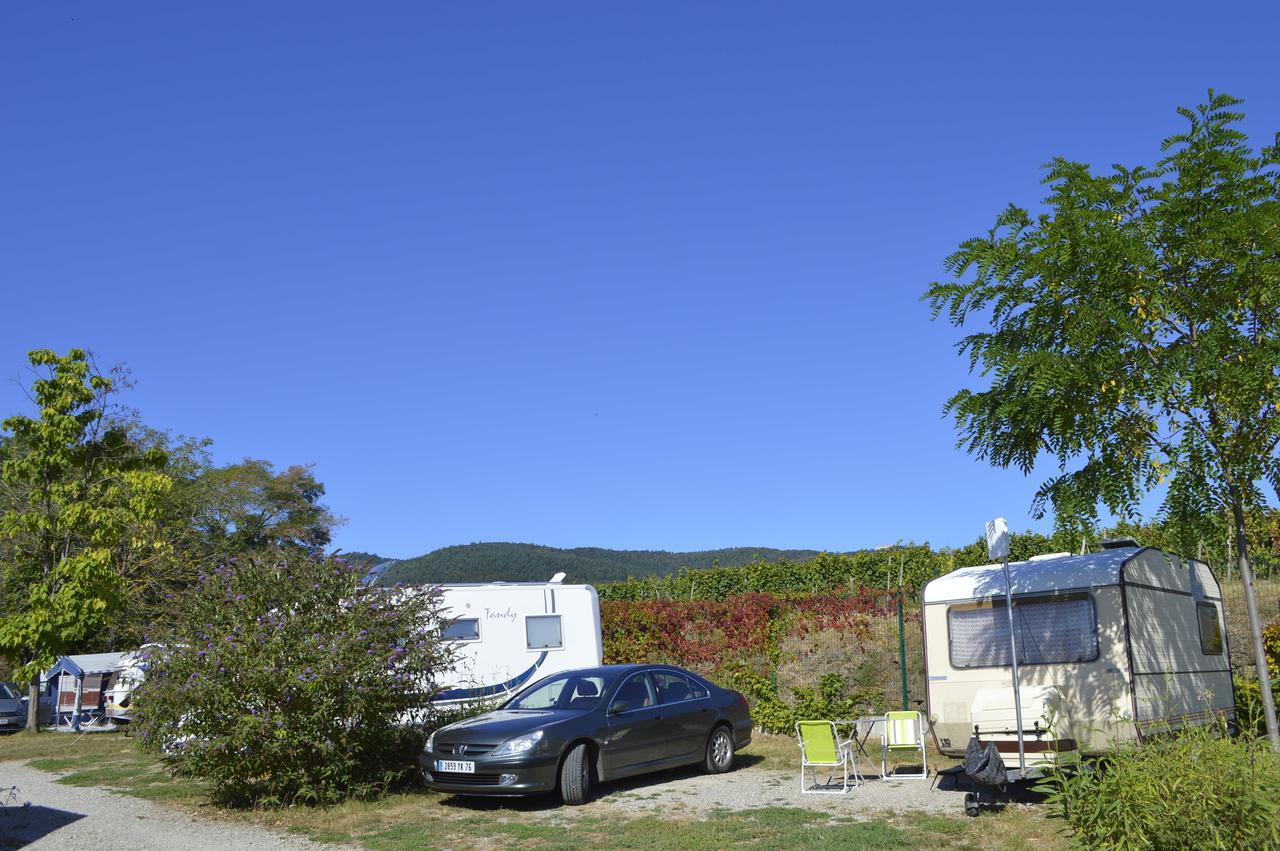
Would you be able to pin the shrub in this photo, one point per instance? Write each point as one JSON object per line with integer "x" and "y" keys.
{"x": 1199, "y": 789}
{"x": 792, "y": 656}
{"x": 291, "y": 683}
{"x": 831, "y": 699}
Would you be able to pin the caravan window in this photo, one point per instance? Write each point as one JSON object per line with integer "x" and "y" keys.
{"x": 1210, "y": 629}
{"x": 462, "y": 629}
{"x": 543, "y": 632}
{"x": 1051, "y": 630}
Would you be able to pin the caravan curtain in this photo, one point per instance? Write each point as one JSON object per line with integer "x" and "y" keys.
{"x": 1050, "y": 631}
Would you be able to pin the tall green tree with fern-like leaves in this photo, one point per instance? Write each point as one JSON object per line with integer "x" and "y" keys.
{"x": 75, "y": 494}
{"x": 1130, "y": 330}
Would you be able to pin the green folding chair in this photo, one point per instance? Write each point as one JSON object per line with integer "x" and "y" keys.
{"x": 903, "y": 731}
{"x": 822, "y": 747}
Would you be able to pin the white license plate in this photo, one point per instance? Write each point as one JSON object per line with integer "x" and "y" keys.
{"x": 8, "y": 720}
{"x": 455, "y": 766}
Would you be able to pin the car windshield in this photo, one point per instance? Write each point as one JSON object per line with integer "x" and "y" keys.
{"x": 8, "y": 692}
{"x": 562, "y": 691}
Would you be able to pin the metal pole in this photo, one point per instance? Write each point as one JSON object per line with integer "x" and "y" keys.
{"x": 1017, "y": 686}
{"x": 902, "y": 641}
{"x": 75, "y": 719}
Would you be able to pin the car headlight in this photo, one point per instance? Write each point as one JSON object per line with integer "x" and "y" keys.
{"x": 431, "y": 742}
{"x": 518, "y": 745}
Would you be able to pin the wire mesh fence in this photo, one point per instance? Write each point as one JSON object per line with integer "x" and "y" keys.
{"x": 1267, "y": 592}
{"x": 869, "y": 658}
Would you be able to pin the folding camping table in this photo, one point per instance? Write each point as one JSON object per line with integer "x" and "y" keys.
{"x": 865, "y": 726}
{"x": 861, "y": 729}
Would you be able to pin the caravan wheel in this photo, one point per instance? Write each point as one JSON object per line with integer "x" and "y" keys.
{"x": 971, "y": 805}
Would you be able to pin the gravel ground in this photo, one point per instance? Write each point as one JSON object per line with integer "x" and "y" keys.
{"x": 73, "y": 817}
{"x": 693, "y": 792}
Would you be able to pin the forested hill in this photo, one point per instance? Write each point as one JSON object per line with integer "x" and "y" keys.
{"x": 532, "y": 563}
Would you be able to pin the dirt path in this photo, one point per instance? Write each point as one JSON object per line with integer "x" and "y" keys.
{"x": 75, "y": 817}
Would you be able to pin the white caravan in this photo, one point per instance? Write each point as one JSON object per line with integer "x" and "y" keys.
{"x": 128, "y": 676}
{"x": 508, "y": 634}
{"x": 1112, "y": 646}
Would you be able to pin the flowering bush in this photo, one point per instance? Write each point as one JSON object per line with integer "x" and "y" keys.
{"x": 291, "y": 683}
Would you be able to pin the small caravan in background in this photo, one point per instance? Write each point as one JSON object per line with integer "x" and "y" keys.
{"x": 129, "y": 675}
{"x": 1112, "y": 646}
{"x": 509, "y": 634}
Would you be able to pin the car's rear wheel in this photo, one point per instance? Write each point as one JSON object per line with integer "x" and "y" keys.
{"x": 720, "y": 750}
{"x": 575, "y": 775}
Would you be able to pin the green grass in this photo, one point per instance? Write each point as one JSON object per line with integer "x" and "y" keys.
{"x": 120, "y": 767}
{"x": 767, "y": 827}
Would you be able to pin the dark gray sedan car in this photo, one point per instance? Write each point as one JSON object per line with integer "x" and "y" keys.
{"x": 13, "y": 711}
{"x": 575, "y": 728}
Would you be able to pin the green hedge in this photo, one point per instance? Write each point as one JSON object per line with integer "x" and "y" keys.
{"x": 873, "y": 569}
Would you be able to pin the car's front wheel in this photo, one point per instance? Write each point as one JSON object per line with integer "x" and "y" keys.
{"x": 720, "y": 750}
{"x": 575, "y": 775}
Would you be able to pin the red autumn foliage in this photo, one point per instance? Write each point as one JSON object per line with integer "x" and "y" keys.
{"x": 707, "y": 634}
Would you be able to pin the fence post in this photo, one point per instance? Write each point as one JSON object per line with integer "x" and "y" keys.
{"x": 902, "y": 641}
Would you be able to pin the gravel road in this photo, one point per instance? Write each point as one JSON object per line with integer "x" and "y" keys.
{"x": 74, "y": 817}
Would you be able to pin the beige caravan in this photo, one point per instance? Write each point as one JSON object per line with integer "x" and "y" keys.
{"x": 1111, "y": 646}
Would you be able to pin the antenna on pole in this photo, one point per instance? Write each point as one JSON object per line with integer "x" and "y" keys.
{"x": 998, "y": 550}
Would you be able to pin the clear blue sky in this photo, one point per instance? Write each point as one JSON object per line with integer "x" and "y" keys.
{"x": 638, "y": 275}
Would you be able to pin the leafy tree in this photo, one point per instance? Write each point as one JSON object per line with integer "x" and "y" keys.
{"x": 249, "y": 507}
{"x": 210, "y": 514}
{"x": 77, "y": 496}
{"x": 288, "y": 682}
{"x": 1132, "y": 332}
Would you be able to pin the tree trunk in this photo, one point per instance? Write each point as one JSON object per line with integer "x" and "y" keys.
{"x": 33, "y": 704}
{"x": 1255, "y": 626}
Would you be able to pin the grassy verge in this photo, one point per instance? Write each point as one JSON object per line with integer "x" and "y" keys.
{"x": 423, "y": 820}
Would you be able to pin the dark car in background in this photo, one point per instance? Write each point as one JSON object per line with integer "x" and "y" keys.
{"x": 13, "y": 710}
{"x": 573, "y": 729}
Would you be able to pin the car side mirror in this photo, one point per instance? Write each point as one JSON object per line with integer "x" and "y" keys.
{"x": 618, "y": 707}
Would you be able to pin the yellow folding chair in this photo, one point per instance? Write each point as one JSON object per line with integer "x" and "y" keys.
{"x": 903, "y": 731}
{"x": 822, "y": 747}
